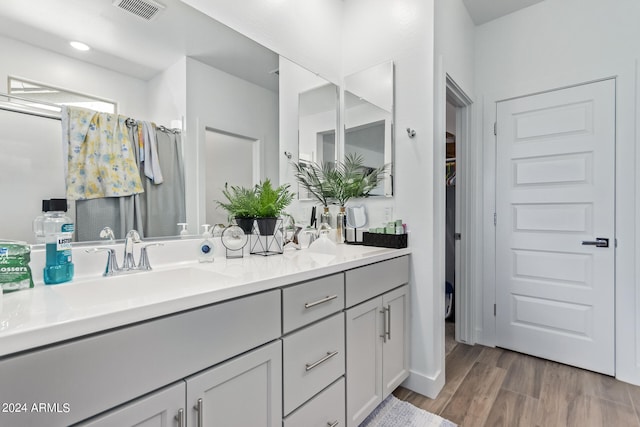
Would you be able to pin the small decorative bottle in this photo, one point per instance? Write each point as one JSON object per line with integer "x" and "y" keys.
{"x": 325, "y": 217}
{"x": 341, "y": 222}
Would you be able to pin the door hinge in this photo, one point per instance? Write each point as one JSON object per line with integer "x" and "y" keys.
{"x": 494, "y": 310}
{"x": 495, "y": 128}
{"x": 457, "y": 236}
{"x": 495, "y": 218}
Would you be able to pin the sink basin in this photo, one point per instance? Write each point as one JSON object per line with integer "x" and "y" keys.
{"x": 142, "y": 286}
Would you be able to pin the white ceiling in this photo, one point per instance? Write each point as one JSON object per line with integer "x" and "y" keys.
{"x": 483, "y": 11}
{"x": 126, "y": 43}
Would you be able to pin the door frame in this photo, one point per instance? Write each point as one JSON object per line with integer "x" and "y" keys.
{"x": 464, "y": 289}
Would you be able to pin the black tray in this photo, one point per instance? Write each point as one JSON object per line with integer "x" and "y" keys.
{"x": 394, "y": 241}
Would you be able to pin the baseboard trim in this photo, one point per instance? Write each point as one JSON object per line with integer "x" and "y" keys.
{"x": 424, "y": 384}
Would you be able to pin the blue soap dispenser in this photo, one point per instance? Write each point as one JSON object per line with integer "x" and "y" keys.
{"x": 206, "y": 245}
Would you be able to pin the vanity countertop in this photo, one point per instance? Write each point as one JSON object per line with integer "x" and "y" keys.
{"x": 49, "y": 314}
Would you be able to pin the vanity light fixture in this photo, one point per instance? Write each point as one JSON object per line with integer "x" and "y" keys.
{"x": 79, "y": 45}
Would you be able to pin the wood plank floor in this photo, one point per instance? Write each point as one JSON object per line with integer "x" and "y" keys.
{"x": 494, "y": 387}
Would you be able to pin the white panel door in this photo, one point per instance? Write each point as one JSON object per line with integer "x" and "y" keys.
{"x": 554, "y": 199}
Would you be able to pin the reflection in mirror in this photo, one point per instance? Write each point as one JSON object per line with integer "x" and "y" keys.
{"x": 182, "y": 69}
{"x": 317, "y": 123}
{"x": 368, "y": 120}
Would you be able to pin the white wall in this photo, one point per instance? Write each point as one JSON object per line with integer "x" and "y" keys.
{"x": 223, "y": 102}
{"x": 550, "y": 45}
{"x": 455, "y": 42}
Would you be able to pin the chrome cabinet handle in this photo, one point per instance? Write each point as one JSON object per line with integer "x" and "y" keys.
{"x": 388, "y": 310}
{"x": 310, "y": 366}
{"x": 320, "y": 301}
{"x": 333, "y": 424}
{"x": 384, "y": 325}
{"x": 180, "y": 417}
{"x": 199, "y": 409}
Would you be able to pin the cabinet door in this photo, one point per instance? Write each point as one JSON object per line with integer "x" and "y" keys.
{"x": 395, "y": 354}
{"x": 245, "y": 391}
{"x": 164, "y": 408}
{"x": 364, "y": 360}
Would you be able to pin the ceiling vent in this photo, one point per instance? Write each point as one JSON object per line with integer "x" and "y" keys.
{"x": 145, "y": 9}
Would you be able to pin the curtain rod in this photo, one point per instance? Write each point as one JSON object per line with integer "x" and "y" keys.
{"x": 26, "y": 109}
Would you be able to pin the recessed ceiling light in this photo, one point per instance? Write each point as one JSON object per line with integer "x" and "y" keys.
{"x": 79, "y": 46}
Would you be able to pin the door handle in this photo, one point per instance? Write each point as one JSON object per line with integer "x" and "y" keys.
{"x": 600, "y": 242}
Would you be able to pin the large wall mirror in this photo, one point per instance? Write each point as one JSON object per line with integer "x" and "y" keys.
{"x": 317, "y": 122}
{"x": 368, "y": 120}
{"x": 180, "y": 69}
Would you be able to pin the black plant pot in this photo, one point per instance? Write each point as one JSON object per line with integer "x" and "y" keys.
{"x": 246, "y": 224}
{"x": 267, "y": 226}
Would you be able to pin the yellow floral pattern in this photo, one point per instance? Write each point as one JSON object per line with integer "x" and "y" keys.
{"x": 101, "y": 161}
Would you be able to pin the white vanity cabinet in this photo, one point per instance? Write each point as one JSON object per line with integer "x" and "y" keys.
{"x": 321, "y": 348}
{"x": 377, "y": 335}
{"x": 314, "y": 353}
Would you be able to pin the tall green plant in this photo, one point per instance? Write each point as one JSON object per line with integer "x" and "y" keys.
{"x": 271, "y": 201}
{"x": 311, "y": 177}
{"x": 350, "y": 179}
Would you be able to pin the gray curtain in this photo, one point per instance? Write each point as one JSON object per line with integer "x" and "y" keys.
{"x": 153, "y": 213}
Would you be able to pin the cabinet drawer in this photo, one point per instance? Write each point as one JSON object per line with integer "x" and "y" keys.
{"x": 313, "y": 359}
{"x": 326, "y": 409}
{"x": 372, "y": 280}
{"x": 311, "y": 301}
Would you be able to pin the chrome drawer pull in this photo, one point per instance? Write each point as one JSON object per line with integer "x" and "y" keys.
{"x": 199, "y": 409}
{"x": 320, "y": 301}
{"x": 310, "y": 366}
{"x": 180, "y": 417}
{"x": 333, "y": 424}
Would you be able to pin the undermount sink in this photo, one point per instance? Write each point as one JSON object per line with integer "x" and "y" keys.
{"x": 150, "y": 285}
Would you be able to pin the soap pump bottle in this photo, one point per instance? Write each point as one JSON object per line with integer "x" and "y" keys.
{"x": 206, "y": 245}
{"x": 184, "y": 233}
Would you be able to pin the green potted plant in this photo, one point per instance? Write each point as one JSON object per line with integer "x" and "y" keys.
{"x": 311, "y": 177}
{"x": 241, "y": 205}
{"x": 270, "y": 202}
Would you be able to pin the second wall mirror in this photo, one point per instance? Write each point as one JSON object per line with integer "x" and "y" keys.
{"x": 368, "y": 120}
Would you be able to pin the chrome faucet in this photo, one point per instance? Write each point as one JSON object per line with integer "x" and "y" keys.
{"x": 128, "y": 262}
